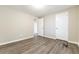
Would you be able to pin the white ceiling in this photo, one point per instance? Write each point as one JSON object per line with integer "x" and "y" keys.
{"x": 39, "y": 12}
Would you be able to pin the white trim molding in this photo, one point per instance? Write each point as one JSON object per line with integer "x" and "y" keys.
{"x": 52, "y": 37}
{"x": 74, "y": 42}
{"x": 16, "y": 40}
{"x": 78, "y": 44}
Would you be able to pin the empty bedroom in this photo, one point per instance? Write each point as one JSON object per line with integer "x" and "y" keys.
{"x": 39, "y": 29}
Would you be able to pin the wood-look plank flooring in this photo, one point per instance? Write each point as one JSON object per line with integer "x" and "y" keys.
{"x": 39, "y": 45}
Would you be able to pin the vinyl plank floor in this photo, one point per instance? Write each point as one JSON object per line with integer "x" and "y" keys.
{"x": 39, "y": 45}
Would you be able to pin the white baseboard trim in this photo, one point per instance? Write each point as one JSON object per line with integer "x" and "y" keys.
{"x": 50, "y": 37}
{"x": 74, "y": 42}
{"x": 16, "y": 40}
{"x": 78, "y": 44}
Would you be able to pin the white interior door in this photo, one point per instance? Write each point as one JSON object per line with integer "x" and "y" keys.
{"x": 40, "y": 26}
{"x": 62, "y": 26}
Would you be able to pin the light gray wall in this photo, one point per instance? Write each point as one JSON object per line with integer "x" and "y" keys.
{"x": 73, "y": 24}
{"x": 14, "y": 25}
